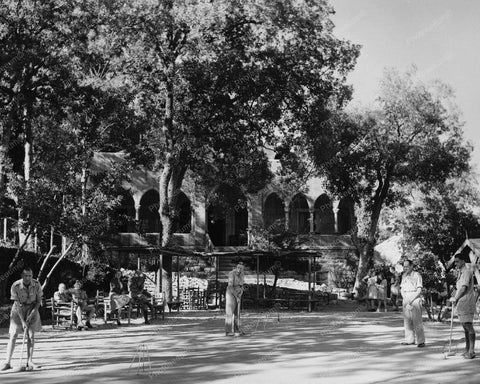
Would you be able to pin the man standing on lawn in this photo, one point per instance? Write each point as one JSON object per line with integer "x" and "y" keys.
{"x": 233, "y": 297}
{"x": 27, "y": 296}
{"x": 411, "y": 288}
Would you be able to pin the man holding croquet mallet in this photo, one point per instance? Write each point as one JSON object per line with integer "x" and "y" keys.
{"x": 411, "y": 288}
{"x": 465, "y": 301}
{"x": 27, "y": 296}
{"x": 233, "y": 297}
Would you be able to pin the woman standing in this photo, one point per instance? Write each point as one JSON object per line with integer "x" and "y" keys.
{"x": 372, "y": 293}
{"x": 381, "y": 285}
{"x": 465, "y": 299}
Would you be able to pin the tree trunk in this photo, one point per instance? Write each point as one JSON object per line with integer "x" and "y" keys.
{"x": 364, "y": 264}
{"x": 84, "y": 179}
{"x": 45, "y": 262}
{"x": 47, "y": 279}
{"x": 4, "y": 148}
{"x": 366, "y": 252}
{"x": 3, "y": 282}
{"x": 27, "y": 164}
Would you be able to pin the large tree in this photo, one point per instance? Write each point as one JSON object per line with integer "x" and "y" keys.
{"x": 442, "y": 218}
{"x": 414, "y": 136}
{"x": 60, "y": 99}
{"x": 218, "y": 80}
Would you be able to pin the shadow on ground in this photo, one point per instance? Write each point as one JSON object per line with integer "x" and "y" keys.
{"x": 323, "y": 347}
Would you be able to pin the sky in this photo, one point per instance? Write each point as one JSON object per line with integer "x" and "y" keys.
{"x": 440, "y": 37}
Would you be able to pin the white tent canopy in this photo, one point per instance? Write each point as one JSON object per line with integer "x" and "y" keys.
{"x": 389, "y": 251}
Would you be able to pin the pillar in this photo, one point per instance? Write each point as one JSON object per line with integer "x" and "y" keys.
{"x": 335, "y": 213}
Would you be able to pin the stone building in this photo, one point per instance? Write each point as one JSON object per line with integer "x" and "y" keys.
{"x": 203, "y": 227}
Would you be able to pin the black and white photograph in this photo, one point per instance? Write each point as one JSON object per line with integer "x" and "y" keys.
{"x": 239, "y": 191}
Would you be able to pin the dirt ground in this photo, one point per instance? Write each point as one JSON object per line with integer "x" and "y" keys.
{"x": 339, "y": 344}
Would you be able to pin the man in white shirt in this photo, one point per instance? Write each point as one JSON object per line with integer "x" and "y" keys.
{"x": 411, "y": 288}
{"x": 233, "y": 296}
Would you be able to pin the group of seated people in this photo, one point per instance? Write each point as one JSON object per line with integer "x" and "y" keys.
{"x": 80, "y": 298}
{"x": 118, "y": 297}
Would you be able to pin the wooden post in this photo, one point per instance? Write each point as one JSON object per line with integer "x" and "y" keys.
{"x": 258, "y": 278}
{"x": 217, "y": 262}
{"x": 160, "y": 268}
{"x": 309, "y": 283}
{"x": 314, "y": 275}
{"x": 5, "y": 222}
{"x": 178, "y": 277}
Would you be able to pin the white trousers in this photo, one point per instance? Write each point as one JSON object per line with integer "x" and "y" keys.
{"x": 412, "y": 319}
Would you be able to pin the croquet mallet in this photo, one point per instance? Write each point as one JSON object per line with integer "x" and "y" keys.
{"x": 22, "y": 368}
{"x": 450, "y": 353}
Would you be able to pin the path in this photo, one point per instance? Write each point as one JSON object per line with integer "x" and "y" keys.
{"x": 341, "y": 345}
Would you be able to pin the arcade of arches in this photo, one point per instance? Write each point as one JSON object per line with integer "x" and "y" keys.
{"x": 325, "y": 218}
{"x": 227, "y": 215}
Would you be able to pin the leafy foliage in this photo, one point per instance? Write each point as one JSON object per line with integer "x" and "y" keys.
{"x": 414, "y": 136}
{"x": 440, "y": 220}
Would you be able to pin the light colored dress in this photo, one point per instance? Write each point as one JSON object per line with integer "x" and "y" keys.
{"x": 466, "y": 305}
{"x": 117, "y": 298}
{"x": 382, "y": 290}
{"x": 372, "y": 291}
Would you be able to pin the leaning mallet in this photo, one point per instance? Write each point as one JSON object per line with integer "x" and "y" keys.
{"x": 450, "y": 352}
{"x": 22, "y": 368}
{"x": 238, "y": 314}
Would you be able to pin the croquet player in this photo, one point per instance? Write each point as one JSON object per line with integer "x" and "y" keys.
{"x": 464, "y": 299}
{"x": 27, "y": 296}
{"x": 233, "y": 296}
{"x": 411, "y": 288}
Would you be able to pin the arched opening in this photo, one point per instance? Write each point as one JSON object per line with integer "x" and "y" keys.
{"x": 182, "y": 214}
{"x": 126, "y": 213}
{"x": 299, "y": 215}
{"x": 227, "y": 217}
{"x": 274, "y": 216}
{"x": 345, "y": 213}
{"x": 324, "y": 219}
{"x": 149, "y": 216}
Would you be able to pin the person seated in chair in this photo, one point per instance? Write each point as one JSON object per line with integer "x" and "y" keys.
{"x": 116, "y": 296}
{"x": 139, "y": 296}
{"x": 80, "y": 298}
{"x": 62, "y": 295}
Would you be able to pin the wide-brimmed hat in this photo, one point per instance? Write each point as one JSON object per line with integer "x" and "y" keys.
{"x": 464, "y": 255}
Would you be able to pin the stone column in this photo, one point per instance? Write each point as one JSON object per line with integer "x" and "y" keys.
{"x": 335, "y": 213}
{"x": 137, "y": 211}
